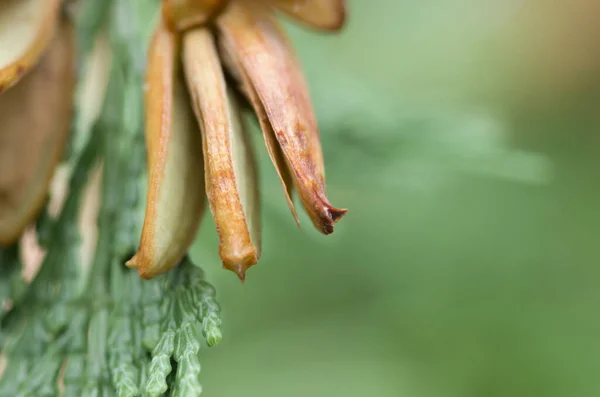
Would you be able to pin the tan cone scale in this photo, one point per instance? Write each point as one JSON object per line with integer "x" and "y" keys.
{"x": 229, "y": 163}
{"x": 176, "y": 198}
{"x": 26, "y": 28}
{"x": 256, "y": 44}
{"x": 273, "y": 148}
{"x": 35, "y": 119}
{"x": 256, "y": 52}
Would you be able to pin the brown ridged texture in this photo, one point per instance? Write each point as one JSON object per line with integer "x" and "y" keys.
{"x": 320, "y": 14}
{"x": 35, "y": 118}
{"x": 229, "y": 162}
{"x": 254, "y": 42}
{"x": 273, "y": 148}
{"x": 26, "y": 29}
{"x": 176, "y": 198}
{"x": 181, "y": 15}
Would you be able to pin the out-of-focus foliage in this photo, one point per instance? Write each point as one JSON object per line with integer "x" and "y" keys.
{"x": 467, "y": 265}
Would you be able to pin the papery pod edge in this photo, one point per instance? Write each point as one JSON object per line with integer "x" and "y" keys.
{"x": 255, "y": 42}
{"x": 230, "y": 164}
{"x": 26, "y": 30}
{"x": 175, "y": 198}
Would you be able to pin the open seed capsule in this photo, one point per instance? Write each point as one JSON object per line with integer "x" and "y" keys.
{"x": 261, "y": 55}
{"x": 26, "y": 29}
{"x": 35, "y": 116}
{"x": 176, "y": 198}
{"x": 229, "y": 163}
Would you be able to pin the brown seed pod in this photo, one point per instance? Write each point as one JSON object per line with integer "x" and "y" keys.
{"x": 176, "y": 198}
{"x": 261, "y": 54}
{"x": 26, "y": 29}
{"x": 229, "y": 162}
{"x": 35, "y": 118}
{"x": 181, "y": 15}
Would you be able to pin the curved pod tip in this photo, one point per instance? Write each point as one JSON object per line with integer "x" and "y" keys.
{"x": 260, "y": 53}
{"x": 26, "y": 30}
{"x": 230, "y": 164}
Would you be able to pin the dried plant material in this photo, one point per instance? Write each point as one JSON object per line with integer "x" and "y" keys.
{"x": 321, "y": 14}
{"x": 275, "y": 153}
{"x": 36, "y": 118}
{"x": 253, "y": 40}
{"x": 26, "y": 29}
{"x": 230, "y": 166}
{"x": 273, "y": 148}
{"x": 181, "y": 15}
{"x": 176, "y": 199}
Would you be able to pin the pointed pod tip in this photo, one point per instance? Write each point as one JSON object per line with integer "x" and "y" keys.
{"x": 242, "y": 276}
{"x": 337, "y": 214}
{"x": 240, "y": 266}
{"x": 133, "y": 262}
{"x": 329, "y": 216}
{"x": 240, "y": 271}
{"x": 145, "y": 272}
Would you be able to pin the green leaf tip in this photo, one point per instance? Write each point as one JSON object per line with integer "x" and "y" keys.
{"x": 189, "y": 313}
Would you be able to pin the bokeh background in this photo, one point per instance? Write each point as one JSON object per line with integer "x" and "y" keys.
{"x": 463, "y": 136}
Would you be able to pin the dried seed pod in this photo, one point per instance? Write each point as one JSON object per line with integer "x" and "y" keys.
{"x": 229, "y": 163}
{"x": 256, "y": 45}
{"x": 181, "y": 15}
{"x": 36, "y": 117}
{"x": 26, "y": 29}
{"x": 275, "y": 152}
{"x": 320, "y": 14}
{"x": 176, "y": 198}
{"x": 273, "y": 148}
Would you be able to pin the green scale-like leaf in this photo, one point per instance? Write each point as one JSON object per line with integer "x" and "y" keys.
{"x": 191, "y": 307}
{"x": 108, "y": 332}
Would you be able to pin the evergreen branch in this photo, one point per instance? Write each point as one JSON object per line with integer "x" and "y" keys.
{"x": 74, "y": 378}
{"x": 36, "y": 326}
{"x": 109, "y": 332}
{"x": 190, "y": 305}
{"x": 124, "y": 347}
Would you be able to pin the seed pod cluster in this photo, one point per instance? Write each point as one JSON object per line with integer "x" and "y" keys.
{"x": 204, "y": 41}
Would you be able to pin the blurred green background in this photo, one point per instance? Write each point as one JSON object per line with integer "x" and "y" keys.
{"x": 463, "y": 138}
